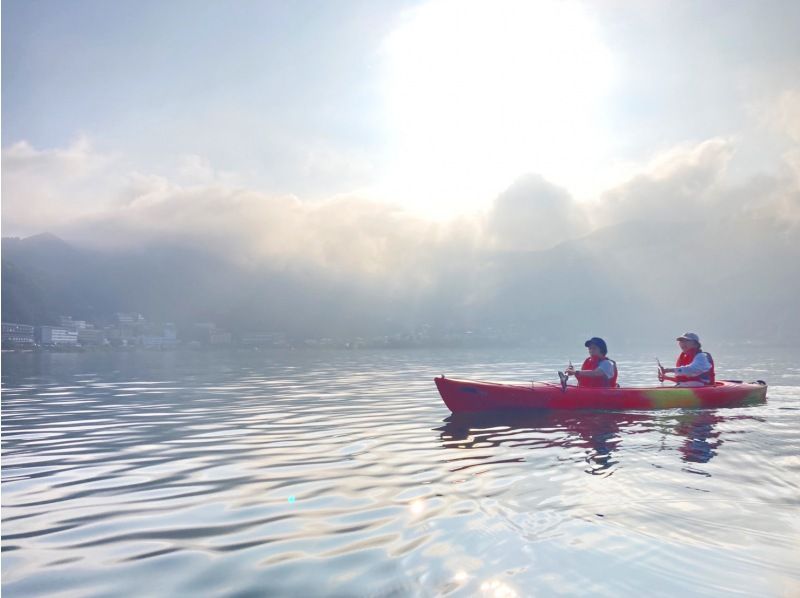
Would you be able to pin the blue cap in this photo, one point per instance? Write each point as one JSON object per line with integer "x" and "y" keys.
{"x": 597, "y": 342}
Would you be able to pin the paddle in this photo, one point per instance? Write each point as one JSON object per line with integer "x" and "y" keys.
{"x": 661, "y": 375}
{"x": 660, "y": 371}
{"x": 564, "y": 377}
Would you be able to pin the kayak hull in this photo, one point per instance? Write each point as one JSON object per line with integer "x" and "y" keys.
{"x": 470, "y": 396}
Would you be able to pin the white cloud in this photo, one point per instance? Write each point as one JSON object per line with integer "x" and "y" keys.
{"x": 533, "y": 214}
{"x": 781, "y": 113}
{"x": 85, "y": 195}
{"x": 450, "y": 271}
{"x": 195, "y": 169}
{"x": 789, "y": 104}
{"x": 45, "y": 189}
{"x": 678, "y": 185}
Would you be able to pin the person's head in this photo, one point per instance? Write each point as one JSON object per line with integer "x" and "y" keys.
{"x": 689, "y": 341}
{"x": 597, "y": 347}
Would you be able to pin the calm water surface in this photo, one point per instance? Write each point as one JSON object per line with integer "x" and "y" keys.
{"x": 343, "y": 474}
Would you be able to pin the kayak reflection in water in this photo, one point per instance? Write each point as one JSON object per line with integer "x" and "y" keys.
{"x": 600, "y": 433}
{"x": 597, "y": 371}
{"x": 701, "y": 439}
{"x": 693, "y": 367}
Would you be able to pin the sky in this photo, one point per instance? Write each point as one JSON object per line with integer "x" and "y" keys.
{"x": 446, "y": 160}
{"x": 127, "y": 121}
{"x": 434, "y": 107}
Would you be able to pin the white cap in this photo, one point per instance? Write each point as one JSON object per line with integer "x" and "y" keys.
{"x": 688, "y": 336}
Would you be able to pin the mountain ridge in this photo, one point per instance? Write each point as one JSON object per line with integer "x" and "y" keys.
{"x": 720, "y": 277}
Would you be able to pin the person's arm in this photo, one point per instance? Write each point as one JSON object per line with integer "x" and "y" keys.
{"x": 604, "y": 370}
{"x": 598, "y": 373}
{"x": 699, "y": 365}
{"x": 607, "y": 368}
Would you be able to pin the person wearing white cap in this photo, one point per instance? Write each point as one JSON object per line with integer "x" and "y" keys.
{"x": 694, "y": 367}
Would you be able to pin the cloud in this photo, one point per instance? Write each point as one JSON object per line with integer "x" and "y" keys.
{"x": 678, "y": 185}
{"x": 527, "y": 264}
{"x": 343, "y": 238}
{"x": 195, "y": 169}
{"x": 84, "y": 195}
{"x": 782, "y": 114}
{"x": 48, "y": 188}
{"x": 533, "y": 214}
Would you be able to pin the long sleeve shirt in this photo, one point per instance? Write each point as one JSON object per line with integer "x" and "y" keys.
{"x": 699, "y": 365}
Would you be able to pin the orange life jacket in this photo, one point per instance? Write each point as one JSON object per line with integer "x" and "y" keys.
{"x": 686, "y": 358}
{"x": 591, "y": 363}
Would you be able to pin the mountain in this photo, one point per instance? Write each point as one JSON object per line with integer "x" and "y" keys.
{"x": 44, "y": 277}
{"x": 732, "y": 279}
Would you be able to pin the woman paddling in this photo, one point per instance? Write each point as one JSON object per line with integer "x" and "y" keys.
{"x": 598, "y": 371}
{"x": 694, "y": 367}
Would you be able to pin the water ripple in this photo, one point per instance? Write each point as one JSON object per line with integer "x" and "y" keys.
{"x": 344, "y": 474}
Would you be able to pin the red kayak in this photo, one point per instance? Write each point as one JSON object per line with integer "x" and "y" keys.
{"x": 463, "y": 396}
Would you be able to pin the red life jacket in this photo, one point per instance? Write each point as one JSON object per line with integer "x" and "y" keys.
{"x": 590, "y": 364}
{"x": 686, "y": 358}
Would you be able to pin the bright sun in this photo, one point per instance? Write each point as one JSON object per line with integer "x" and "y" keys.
{"x": 478, "y": 93}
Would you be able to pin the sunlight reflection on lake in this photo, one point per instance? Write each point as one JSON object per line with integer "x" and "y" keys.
{"x": 343, "y": 473}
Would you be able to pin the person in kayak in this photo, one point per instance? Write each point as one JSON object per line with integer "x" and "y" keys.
{"x": 598, "y": 371}
{"x": 694, "y": 367}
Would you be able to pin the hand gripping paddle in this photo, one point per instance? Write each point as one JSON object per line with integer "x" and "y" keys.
{"x": 563, "y": 377}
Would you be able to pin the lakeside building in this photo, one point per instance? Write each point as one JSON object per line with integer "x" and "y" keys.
{"x": 253, "y": 339}
{"x": 53, "y": 335}
{"x": 128, "y": 319}
{"x": 128, "y": 329}
{"x": 156, "y": 336}
{"x": 207, "y": 333}
{"x": 18, "y": 334}
{"x": 91, "y": 336}
{"x": 152, "y": 342}
{"x": 70, "y": 324}
{"x": 169, "y": 335}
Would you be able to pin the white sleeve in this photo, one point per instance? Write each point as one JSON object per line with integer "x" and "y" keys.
{"x": 699, "y": 365}
{"x": 607, "y": 368}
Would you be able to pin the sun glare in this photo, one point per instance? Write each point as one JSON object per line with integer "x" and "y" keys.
{"x": 478, "y": 93}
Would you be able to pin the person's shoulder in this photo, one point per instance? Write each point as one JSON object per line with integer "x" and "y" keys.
{"x": 607, "y": 367}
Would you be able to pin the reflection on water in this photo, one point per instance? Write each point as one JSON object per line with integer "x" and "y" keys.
{"x": 702, "y": 439}
{"x": 343, "y": 474}
{"x": 599, "y": 433}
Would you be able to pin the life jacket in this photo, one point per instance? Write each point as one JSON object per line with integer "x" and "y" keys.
{"x": 591, "y": 363}
{"x": 686, "y": 358}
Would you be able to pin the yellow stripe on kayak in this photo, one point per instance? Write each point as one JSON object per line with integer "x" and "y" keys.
{"x": 667, "y": 398}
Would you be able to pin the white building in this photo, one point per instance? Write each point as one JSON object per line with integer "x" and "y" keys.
{"x": 91, "y": 336}
{"x": 52, "y": 335}
{"x": 69, "y": 323}
{"x": 17, "y": 334}
{"x": 128, "y": 319}
{"x": 254, "y": 339}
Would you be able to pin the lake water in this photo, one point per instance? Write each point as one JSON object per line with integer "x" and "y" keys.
{"x": 343, "y": 474}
